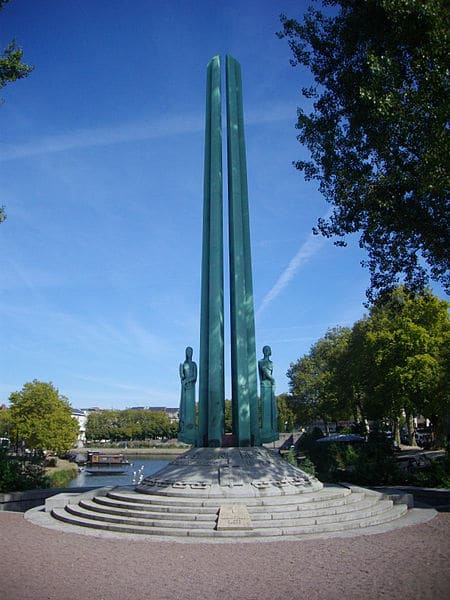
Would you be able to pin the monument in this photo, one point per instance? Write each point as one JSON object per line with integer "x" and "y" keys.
{"x": 246, "y": 426}
{"x": 228, "y": 466}
{"x": 220, "y": 489}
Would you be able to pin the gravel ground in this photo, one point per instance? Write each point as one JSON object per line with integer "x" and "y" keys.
{"x": 42, "y": 564}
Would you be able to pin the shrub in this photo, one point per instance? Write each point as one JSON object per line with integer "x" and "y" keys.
{"x": 308, "y": 467}
{"x": 435, "y": 474}
{"x": 18, "y": 473}
{"x": 308, "y": 440}
{"x": 365, "y": 463}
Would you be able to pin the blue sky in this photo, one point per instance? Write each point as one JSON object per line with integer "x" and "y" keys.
{"x": 101, "y": 173}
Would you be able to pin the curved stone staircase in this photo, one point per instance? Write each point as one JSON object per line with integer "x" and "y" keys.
{"x": 331, "y": 509}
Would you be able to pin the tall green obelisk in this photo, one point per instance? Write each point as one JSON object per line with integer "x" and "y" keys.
{"x": 243, "y": 351}
{"x": 211, "y": 380}
{"x": 247, "y": 430}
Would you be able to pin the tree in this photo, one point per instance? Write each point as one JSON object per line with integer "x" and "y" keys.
{"x": 286, "y": 413}
{"x": 128, "y": 424}
{"x": 228, "y": 416}
{"x": 5, "y": 422}
{"x": 43, "y": 418}
{"x": 407, "y": 342}
{"x": 378, "y": 134}
{"x": 315, "y": 382}
{"x": 11, "y": 65}
{"x": 11, "y": 69}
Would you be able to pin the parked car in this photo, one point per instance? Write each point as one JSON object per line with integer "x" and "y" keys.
{"x": 424, "y": 438}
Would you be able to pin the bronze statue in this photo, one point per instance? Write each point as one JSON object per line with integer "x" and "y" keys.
{"x": 188, "y": 376}
{"x": 269, "y": 412}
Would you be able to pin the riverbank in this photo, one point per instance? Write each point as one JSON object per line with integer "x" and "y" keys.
{"x": 61, "y": 474}
{"x": 61, "y": 465}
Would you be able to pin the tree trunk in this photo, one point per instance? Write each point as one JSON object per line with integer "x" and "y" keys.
{"x": 363, "y": 420}
{"x": 439, "y": 432}
{"x": 397, "y": 430}
{"x": 410, "y": 426}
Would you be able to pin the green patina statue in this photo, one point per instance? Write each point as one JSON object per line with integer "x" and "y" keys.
{"x": 188, "y": 376}
{"x": 269, "y": 412}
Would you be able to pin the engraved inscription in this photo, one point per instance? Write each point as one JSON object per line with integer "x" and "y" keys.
{"x": 233, "y": 516}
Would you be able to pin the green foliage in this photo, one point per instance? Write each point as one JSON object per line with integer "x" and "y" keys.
{"x": 305, "y": 465}
{"x": 5, "y": 422}
{"x": 365, "y": 463}
{"x": 129, "y": 424}
{"x": 308, "y": 466}
{"x": 62, "y": 479}
{"x": 370, "y": 463}
{"x": 315, "y": 380}
{"x": 18, "y": 473}
{"x": 11, "y": 69}
{"x": 308, "y": 440}
{"x": 378, "y": 132}
{"x": 291, "y": 457}
{"x": 228, "y": 417}
{"x": 435, "y": 475}
{"x": 407, "y": 339}
{"x": 286, "y": 413}
{"x": 42, "y": 418}
{"x": 11, "y": 65}
{"x": 397, "y": 358}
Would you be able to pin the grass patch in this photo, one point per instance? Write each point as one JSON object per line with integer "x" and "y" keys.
{"x": 62, "y": 479}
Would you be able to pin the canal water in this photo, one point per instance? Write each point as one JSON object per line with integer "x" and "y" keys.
{"x": 139, "y": 466}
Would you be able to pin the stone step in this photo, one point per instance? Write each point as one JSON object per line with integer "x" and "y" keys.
{"x": 66, "y": 517}
{"x": 300, "y": 511}
{"x": 171, "y": 514}
{"x": 327, "y": 507}
{"x": 131, "y": 511}
{"x": 159, "y": 508}
{"x": 160, "y": 499}
{"x": 141, "y": 520}
{"x": 393, "y": 513}
{"x": 318, "y": 504}
{"x": 87, "y": 510}
{"x": 300, "y": 520}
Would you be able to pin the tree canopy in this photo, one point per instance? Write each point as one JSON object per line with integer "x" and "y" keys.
{"x": 129, "y": 424}
{"x": 315, "y": 379}
{"x": 395, "y": 360}
{"x": 11, "y": 69}
{"x": 407, "y": 340}
{"x": 42, "y": 418}
{"x": 378, "y": 134}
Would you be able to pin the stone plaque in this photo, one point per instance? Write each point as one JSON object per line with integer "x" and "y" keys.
{"x": 230, "y": 476}
{"x": 233, "y": 516}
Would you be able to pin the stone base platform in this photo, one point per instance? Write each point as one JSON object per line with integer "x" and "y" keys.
{"x": 220, "y": 494}
{"x": 229, "y": 473}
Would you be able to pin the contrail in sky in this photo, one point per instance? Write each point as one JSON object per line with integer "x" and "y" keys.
{"x": 307, "y": 250}
{"x": 162, "y": 126}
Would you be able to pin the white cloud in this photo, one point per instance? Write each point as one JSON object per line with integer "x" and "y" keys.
{"x": 103, "y": 136}
{"x": 129, "y": 132}
{"x": 306, "y": 252}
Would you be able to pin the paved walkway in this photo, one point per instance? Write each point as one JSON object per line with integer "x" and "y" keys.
{"x": 44, "y": 564}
